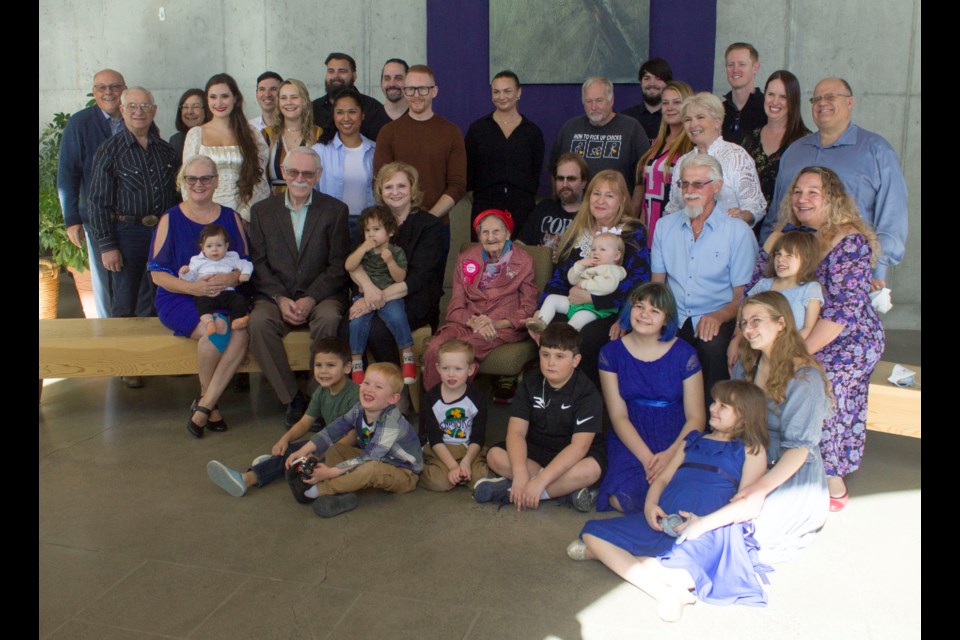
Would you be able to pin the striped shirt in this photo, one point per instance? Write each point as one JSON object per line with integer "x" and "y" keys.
{"x": 131, "y": 181}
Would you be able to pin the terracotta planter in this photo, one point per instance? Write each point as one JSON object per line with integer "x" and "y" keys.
{"x": 84, "y": 283}
{"x": 49, "y": 289}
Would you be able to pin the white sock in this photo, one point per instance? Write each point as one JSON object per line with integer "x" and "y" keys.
{"x": 407, "y": 358}
{"x": 312, "y": 492}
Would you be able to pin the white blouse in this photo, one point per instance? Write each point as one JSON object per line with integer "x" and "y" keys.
{"x": 228, "y": 160}
{"x": 741, "y": 184}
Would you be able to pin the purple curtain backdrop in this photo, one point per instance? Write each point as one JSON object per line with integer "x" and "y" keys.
{"x": 458, "y": 49}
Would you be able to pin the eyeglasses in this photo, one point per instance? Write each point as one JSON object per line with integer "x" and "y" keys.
{"x": 695, "y": 185}
{"x": 204, "y": 180}
{"x": 753, "y": 322}
{"x": 420, "y": 91}
{"x": 293, "y": 174}
{"x": 829, "y": 97}
{"x": 133, "y": 107}
{"x": 566, "y": 178}
{"x": 101, "y": 88}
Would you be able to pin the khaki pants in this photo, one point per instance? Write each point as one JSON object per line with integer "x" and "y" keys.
{"x": 434, "y": 474}
{"x": 369, "y": 475}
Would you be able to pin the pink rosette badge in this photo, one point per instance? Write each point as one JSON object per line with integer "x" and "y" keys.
{"x": 470, "y": 270}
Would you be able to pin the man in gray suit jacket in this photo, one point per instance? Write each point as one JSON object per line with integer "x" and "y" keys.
{"x": 298, "y": 242}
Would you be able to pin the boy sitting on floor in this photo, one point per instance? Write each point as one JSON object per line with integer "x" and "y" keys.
{"x": 334, "y": 397}
{"x": 454, "y": 416}
{"x": 553, "y": 448}
{"x": 390, "y": 458}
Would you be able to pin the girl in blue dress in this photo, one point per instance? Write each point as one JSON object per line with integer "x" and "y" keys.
{"x": 713, "y": 558}
{"x": 653, "y": 393}
{"x": 792, "y": 270}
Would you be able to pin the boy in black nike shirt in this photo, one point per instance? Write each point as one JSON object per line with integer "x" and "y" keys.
{"x": 553, "y": 447}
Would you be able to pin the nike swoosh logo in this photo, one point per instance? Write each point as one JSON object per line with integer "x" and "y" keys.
{"x": 565, "y": 406}
{"x": 580, "y": 422}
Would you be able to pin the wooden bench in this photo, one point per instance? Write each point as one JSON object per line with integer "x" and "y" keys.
{"x": 893, "y": 409}
{"x": 78, "y": 348}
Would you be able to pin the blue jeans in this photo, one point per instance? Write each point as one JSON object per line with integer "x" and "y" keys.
{"x": 352, "y": 223}
{"x": 272, "y": 469}
{"x": 393, "y": 314}
{"x": 132, "y": 286}
{"x": 99, "y": 276}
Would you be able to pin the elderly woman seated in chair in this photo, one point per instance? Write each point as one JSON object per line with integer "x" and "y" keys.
{"x": 494, "y": 292}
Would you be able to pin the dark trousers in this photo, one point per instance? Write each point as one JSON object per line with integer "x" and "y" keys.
{"x": 712, "y": 355}
{"x": 133, "y": 289}
{"x": 235, "y": 303}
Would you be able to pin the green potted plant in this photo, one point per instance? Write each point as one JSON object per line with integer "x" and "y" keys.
{"x": 55, "y": 246}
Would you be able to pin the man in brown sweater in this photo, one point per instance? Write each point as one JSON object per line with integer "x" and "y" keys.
{"x": 433, "y": 145}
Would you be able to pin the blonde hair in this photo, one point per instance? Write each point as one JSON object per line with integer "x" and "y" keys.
{"x": 789, "y": 351}
{"x": 390, "y": 372}
{"x": 680, "y": 146}
{"x": 841, "y": 211}
{"x": 391, "y": 169}
{"x": 617, "y": 240}
{"x": 458, "y": 346}
{"x": 583, "y": 221}
{"x": 306, "y": 117}
{"x": 192, "y": 160}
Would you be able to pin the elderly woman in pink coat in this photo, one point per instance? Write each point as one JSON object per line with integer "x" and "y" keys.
{"x": 494, "y": 292}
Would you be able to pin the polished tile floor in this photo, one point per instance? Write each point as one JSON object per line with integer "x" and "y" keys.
{"x": 135, "y": 542}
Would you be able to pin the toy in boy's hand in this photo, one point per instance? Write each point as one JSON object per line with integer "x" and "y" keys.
{"x": 305, "y": 466}
{"x": 670, "y": 523}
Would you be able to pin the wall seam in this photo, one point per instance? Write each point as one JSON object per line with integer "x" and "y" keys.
{"x": 909, "y": 81}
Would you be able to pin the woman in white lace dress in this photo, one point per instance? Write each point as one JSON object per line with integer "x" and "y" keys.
{"x": 741, "y": 196}
{"x": 238, "y": 149}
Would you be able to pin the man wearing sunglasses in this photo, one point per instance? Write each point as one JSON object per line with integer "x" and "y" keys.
{"x": 298, "y": 244}
{"x": 706, "y": 258}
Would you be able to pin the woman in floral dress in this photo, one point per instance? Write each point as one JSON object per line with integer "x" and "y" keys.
{"x": 848, "y": 338}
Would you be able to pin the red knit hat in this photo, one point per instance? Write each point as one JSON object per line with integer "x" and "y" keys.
{"x": 504, "y": 216}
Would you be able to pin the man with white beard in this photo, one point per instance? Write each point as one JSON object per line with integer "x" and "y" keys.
{"x": 706, "y": 260}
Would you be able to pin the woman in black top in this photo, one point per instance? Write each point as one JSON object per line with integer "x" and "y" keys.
{"x": 421, "y": 236}
{"x": 504, "y": 155}
{"x": 781, "y": 103}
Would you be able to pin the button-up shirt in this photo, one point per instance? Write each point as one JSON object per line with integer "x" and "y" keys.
{"x": 870, "y": 171}
{"x": 298, "y": 216}
{"x": 703, "y": 273}
{"x": 131, "y": 181}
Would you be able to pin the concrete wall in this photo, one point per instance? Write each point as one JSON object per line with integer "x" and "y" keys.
{"x": 195, "y": 40}
{"x": 876, "y": 47}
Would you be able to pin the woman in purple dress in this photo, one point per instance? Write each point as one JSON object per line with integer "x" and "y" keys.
{"x": 174, "y": 243}
{"x": 653, "y": 390}
{"x": 848, "y": 337}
